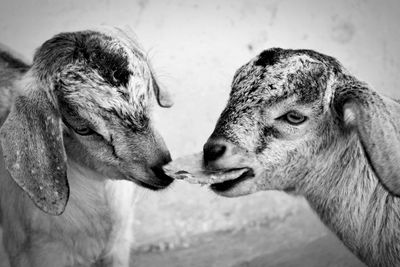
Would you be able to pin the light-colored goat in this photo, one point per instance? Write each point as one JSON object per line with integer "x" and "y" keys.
{"x": 75, "y": 133}
{"x": 299, "y": 122}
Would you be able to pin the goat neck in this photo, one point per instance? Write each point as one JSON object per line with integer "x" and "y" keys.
{"x": 352, "y": 202}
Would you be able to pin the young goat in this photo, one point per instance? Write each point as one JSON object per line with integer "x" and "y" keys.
{"x": 78, "y": 126}
{"x": 299, "y": 122}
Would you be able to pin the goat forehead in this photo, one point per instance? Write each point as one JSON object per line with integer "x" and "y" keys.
{"x": 111, "y": 55}
{"x": 107, "y": 77}
{"x": 275, "y": 76}
{"x": 129, "y": 104}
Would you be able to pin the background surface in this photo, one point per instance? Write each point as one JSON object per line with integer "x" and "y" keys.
{"x": 195, "y": 47}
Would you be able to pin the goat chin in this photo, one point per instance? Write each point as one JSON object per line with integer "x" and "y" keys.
{"x": 102, "y": 228}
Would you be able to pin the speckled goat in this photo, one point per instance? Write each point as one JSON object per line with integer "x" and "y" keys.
{"x": 75, "y": 134}
{"x": 301, "y": 123}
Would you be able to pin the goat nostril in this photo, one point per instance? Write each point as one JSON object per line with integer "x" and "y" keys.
{"x": 213, "y": 151}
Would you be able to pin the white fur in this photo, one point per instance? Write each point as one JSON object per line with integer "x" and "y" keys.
{"x": 97, "y": 223}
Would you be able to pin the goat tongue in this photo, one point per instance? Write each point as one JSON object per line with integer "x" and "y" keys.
{"x": 190, "y": 169}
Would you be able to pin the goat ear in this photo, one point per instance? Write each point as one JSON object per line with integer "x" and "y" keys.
{"x": 164, "y": 98}
{"x": 31, "y": 139}
{"x": 377, "y": 120}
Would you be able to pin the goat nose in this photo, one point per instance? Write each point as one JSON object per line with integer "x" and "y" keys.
{"x": 165, "y": 159}
{"x": 213, "y": 150}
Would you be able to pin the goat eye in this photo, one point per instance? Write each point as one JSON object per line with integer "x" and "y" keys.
{"x": 84, "y": 131}
{"x": 294, "y": 118}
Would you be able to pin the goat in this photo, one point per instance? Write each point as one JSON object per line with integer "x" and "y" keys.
{"x": 298, "y": 121}
{"x": 76, "y": 137}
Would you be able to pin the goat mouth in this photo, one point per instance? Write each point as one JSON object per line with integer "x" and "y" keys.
{"x": 152, "y": 186}
{"x": 229, "y": 184}
{"x": 157, "y": 181}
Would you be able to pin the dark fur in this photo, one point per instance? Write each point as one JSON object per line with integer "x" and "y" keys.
{"x": 88, "y": 48}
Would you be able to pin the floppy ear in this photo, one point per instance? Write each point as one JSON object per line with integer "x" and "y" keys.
{"x": 377, "y": 121}
{"x": 34, "y": 154}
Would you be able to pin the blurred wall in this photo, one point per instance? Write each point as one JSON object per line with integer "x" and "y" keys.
{"x": 195, "y": 47}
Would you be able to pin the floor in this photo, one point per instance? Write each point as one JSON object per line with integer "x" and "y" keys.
{"x": 298, "y": 241}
